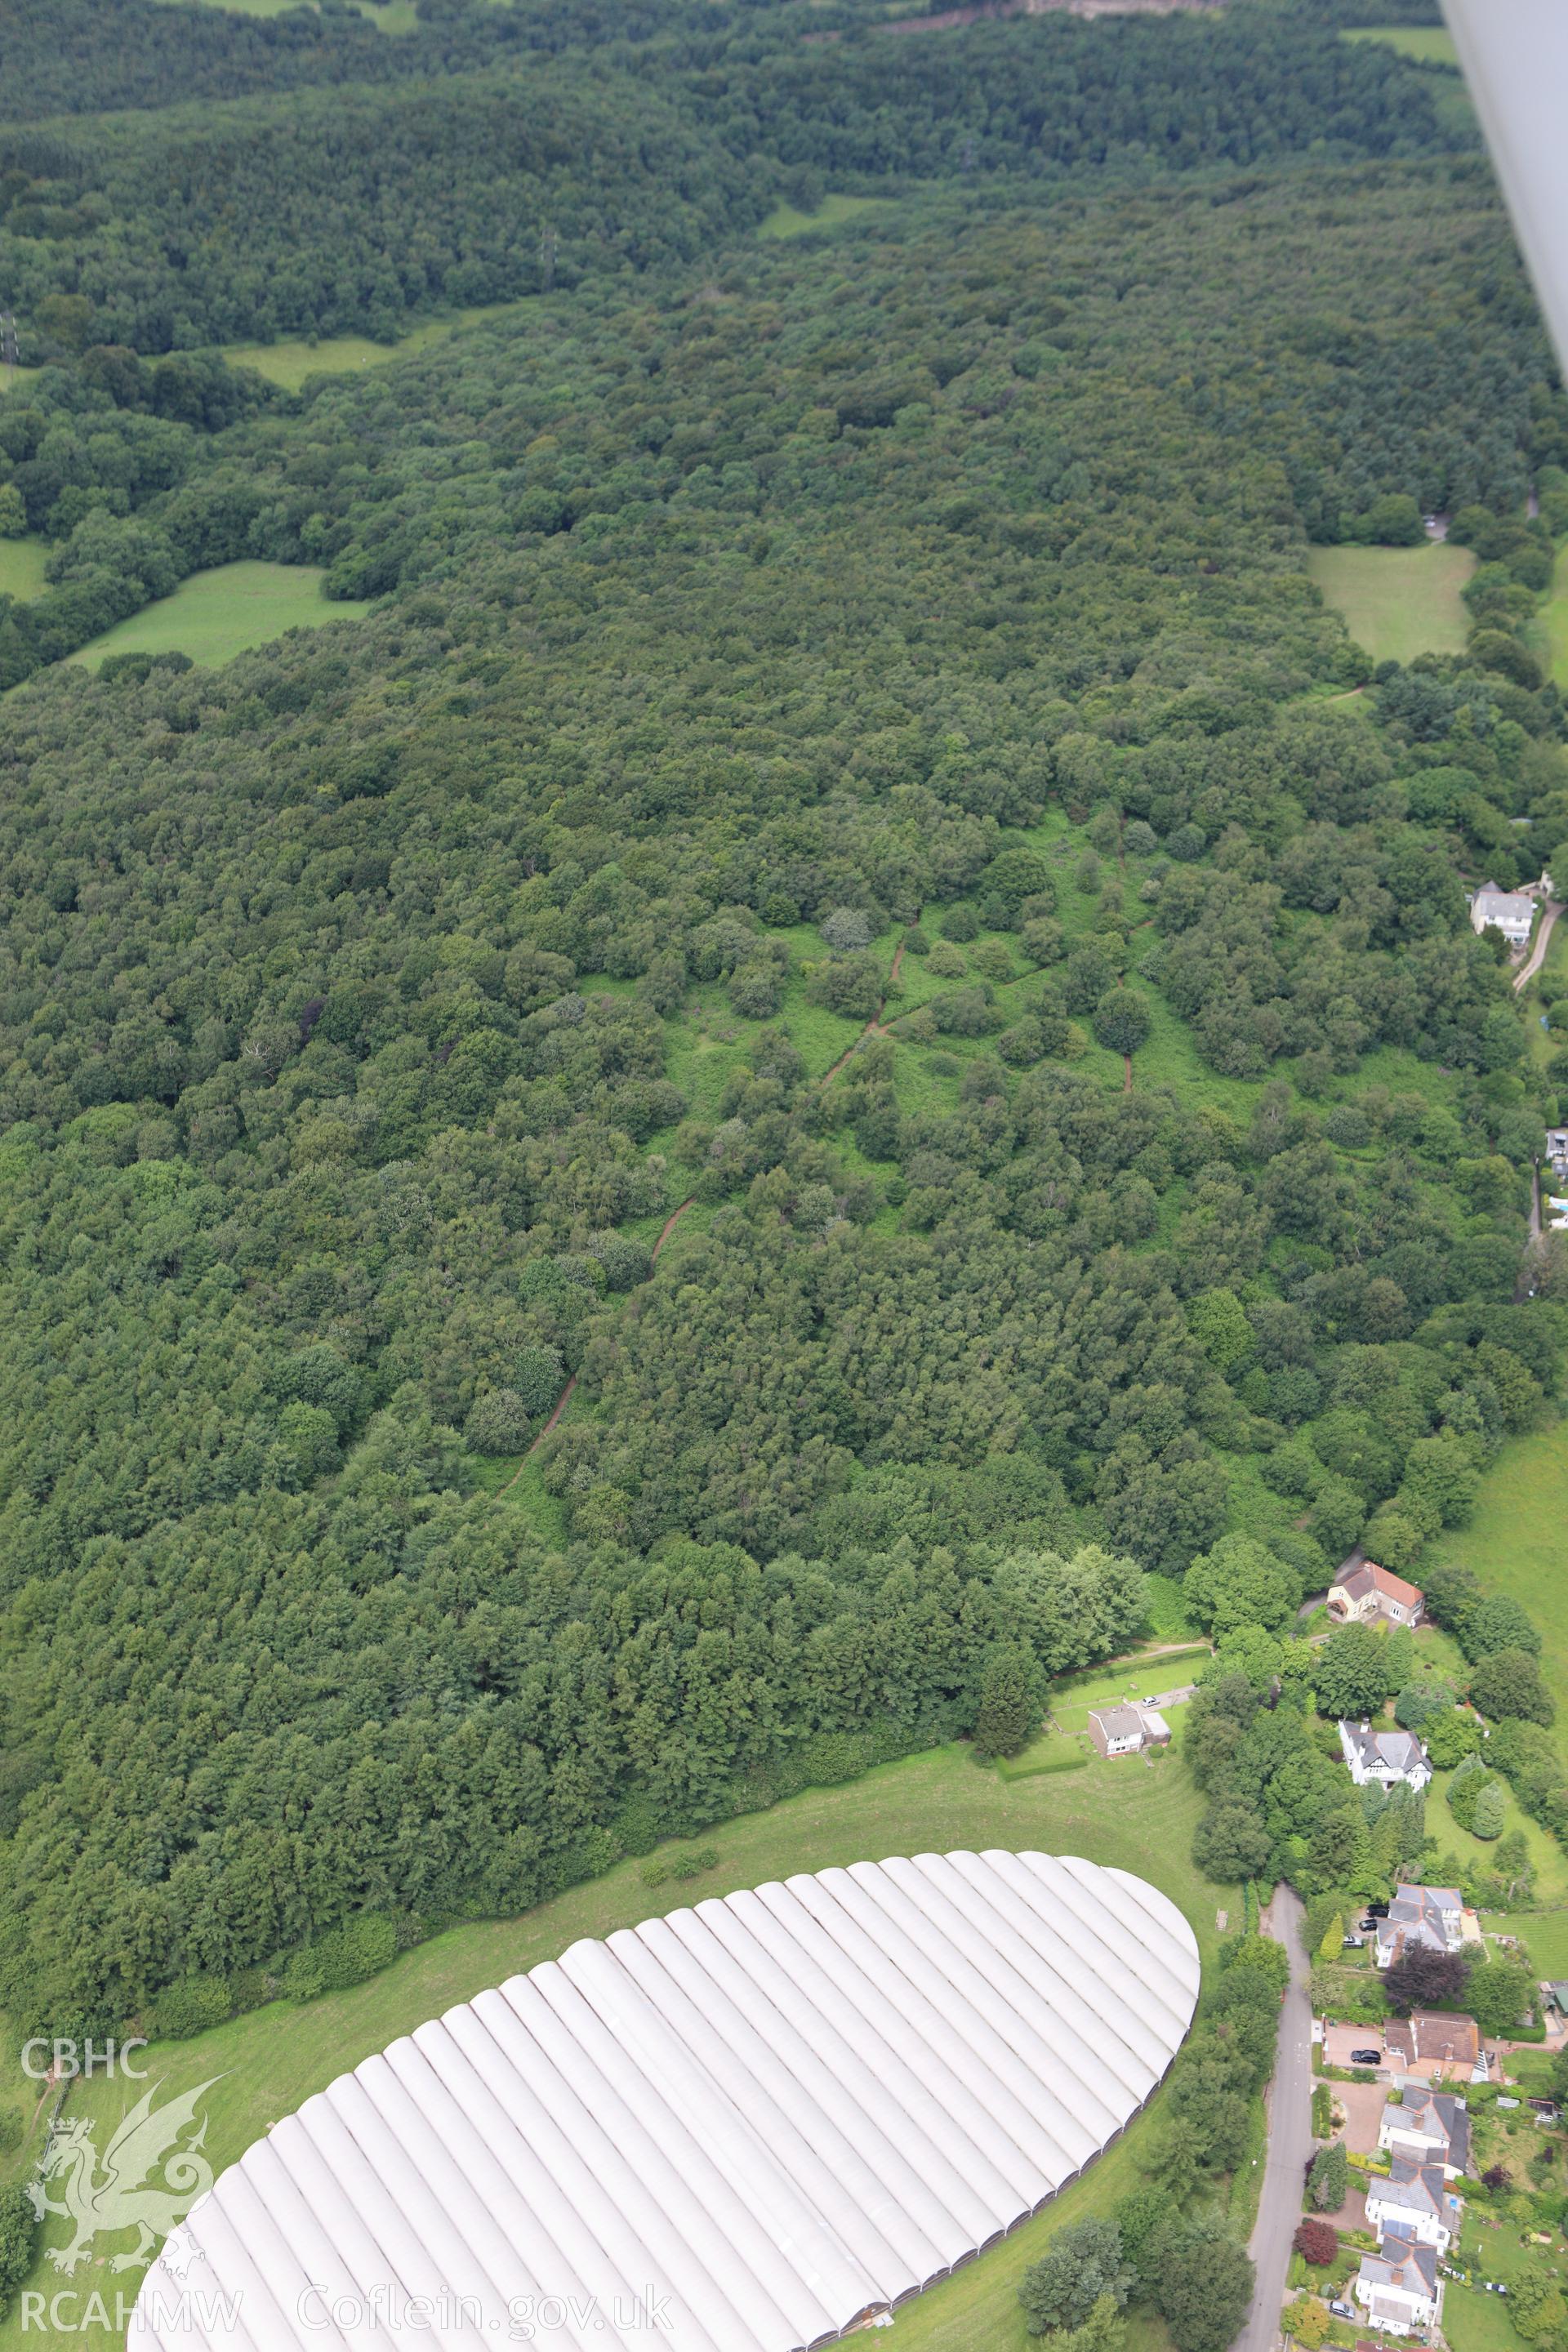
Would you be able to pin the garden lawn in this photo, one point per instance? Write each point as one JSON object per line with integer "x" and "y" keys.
{"x": 214, "y": 615}
{"x": 263, "y": 2066}
{"x": 1543, "y": 1934}
{"x": 1550, "y": 1860}
{"x": 1474, "y": 2321}
{"x": 22, "y": 562}
{"x": 1397, "y": 601}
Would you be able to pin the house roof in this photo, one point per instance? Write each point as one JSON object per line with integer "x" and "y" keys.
{"x": 1434, "y": 2115}
{"x": 1368, "y": 1577}
{"x": 1422, "y": 1906}
{"x": 1412, "y": 2268}
{"x": 1492, "y": 905}
{"x": 1119, "y": 1722}
{"x": 1397, "y": 1751}
{"x": 1454, "y": 2041}
{"x": 1417, "y": 2187}
{"x": 1394, "y": 1588}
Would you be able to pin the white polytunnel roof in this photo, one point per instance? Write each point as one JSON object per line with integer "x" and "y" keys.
{"x": 741, "y": 2128}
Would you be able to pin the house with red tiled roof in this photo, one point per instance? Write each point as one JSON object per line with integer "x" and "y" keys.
{"x": 1368, "y": 1594}
{"x": 1437, "y": 2046}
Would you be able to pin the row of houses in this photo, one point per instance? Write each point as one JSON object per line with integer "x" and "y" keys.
{"x": 1415, "y": 2212}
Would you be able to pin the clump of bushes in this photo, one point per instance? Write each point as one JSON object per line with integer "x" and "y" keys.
{"x": 188, "y": 2007}
{"x": 682, "y": 1866}
{"x": 359, "y": 1948}
{"x": 1316, "y": 2241}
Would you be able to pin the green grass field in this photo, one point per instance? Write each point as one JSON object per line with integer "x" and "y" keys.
{"x": 1428, "y": 45}
{"x": 291, "y": 364}
{"x": 214, "y": 615}
{"x": 1515, "y": 1542}
{"x": 22, "y": 562}
{"x": 831, "y": 213}
{"x": 263, "y": 2066}
{"x": 1544, "y": 1935}
{"x": 1396, "y": 601}
{"x": 1553, "y": 620}
{"x": 395, "y": 16}
{"x": 1550, "y": 1862}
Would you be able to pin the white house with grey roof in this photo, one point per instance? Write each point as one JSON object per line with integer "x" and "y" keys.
{"x": 1398, "y": 2287}
{"x": 1511, "y": 912}
{"x": 1429, "y": 1916}
{"x": 1416, "y": 2198}
{"x": 1389, "y": 1755}
{"x": 1427, "y": 2128}
{"x": 1127, "y": 1730}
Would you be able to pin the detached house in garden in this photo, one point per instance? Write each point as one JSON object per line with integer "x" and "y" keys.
{"x": 1427, "y": 2128}
{"x": 1128, "y": 1730}
{"x": 1398, "y": 2287}
{"x": 1511, "y": 912}
{"x": 1430, "y": 1915}
{"x": 1414, "y": 2197}
{"x": 1438, "y": 2046}
{"x": 1369, "y": 1595}
{"x": 1390, "y": 1757}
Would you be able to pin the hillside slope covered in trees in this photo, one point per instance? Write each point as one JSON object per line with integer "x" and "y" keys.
{"x": 846, "y": 741}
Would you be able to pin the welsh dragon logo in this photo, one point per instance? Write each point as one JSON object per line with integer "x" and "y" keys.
{"x": 153, "y": 2173}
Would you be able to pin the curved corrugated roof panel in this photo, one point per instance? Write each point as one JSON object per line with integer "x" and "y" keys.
{"x": 742, "y": 2127}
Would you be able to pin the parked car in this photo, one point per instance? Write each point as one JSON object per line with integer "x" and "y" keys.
{"x": 1377, "y": 1910}
{"x": 1356, "y": 1943}
{"x": 1366, "y": 2057}
{"x": 1365, "y": 1927}
{"x": 1342, "y": 2310}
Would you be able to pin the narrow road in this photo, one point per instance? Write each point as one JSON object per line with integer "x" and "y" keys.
{"x": 1289, "y": 2134}
{"x": 1536, "y": 956}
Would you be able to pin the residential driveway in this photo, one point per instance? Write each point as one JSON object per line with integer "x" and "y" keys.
{"x": 1363, "y": 2104}
{"x": 1339, "y": 2041}
{"x": 1542, "y": 941}
{"x": 1290, "y": 2134}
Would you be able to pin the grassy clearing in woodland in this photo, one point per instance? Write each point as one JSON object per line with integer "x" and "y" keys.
{"x": 1397, "y": 601}
{"x": 214, "y": 615}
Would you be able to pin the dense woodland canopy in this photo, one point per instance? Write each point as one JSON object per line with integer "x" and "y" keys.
{"x": 748, "y": 616}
